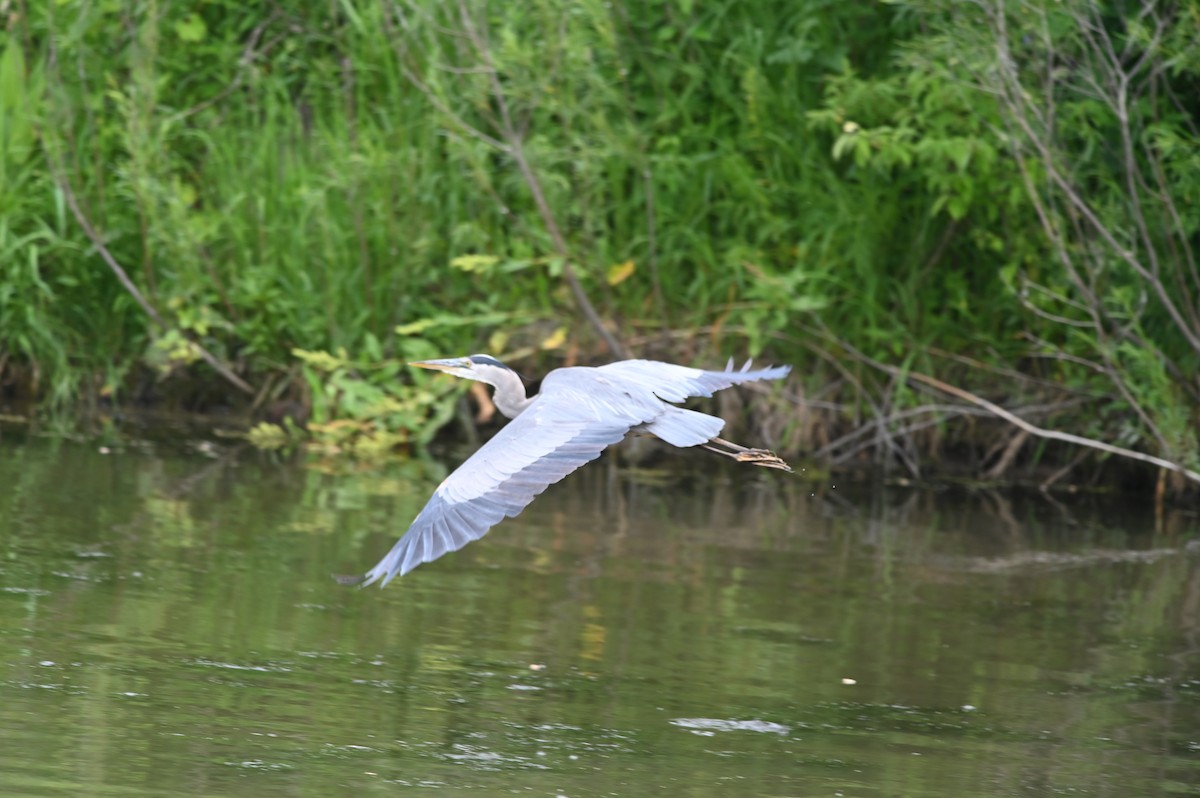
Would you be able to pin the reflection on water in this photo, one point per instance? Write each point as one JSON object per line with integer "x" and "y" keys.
{"x": 168, "y": 626}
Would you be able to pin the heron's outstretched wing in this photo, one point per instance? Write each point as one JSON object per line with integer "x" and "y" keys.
{"x": 566, "y": 426}
{"x": 673, "y": 383}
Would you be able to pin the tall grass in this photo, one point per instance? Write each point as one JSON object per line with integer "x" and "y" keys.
{"x": 272, "y": 180}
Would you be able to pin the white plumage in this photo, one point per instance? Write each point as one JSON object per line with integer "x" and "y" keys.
{"x": 579, "y": 412}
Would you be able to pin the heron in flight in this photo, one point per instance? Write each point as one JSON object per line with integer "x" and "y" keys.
{"x": 579, "y": 412}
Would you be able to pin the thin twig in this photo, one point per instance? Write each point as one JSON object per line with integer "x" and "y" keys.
{"x": 509, "y": 139}
{"x": 250, "y": 53}
{"x": 1066, "y": 469}
{"x": 1021, "y": 108}
{"x": 1009, "y": 454}
{"x": 1016, "y": 420}
{"x": 58, "y": 173}
{"x": 516, "y": 150}
{"x": 886, "y": 442}
{"x": 1016, "y": 102}
{"x": 652, "y": 244}
{"x": 98, "y": 242}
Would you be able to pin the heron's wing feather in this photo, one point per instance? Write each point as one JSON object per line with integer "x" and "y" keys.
{"x": 673, "y": 383}
{"x": 561, "y": 431}
{"x": 681, "y": 427}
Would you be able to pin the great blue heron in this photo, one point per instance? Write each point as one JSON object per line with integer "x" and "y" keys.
{"x": 579, "y": 412}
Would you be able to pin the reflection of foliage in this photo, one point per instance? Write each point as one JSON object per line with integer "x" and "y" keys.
{"x": 266, "y": 435}
{"x": 174, "y": 519}
{"x": 197, "y": 594}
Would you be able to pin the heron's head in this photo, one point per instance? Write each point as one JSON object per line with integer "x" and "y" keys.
{"x": 483, "y": 368}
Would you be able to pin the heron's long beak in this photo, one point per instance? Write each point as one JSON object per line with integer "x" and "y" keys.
{"x": 450, "y": 364}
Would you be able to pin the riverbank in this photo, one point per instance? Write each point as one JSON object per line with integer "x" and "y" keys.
{"x": 958, "y": 448}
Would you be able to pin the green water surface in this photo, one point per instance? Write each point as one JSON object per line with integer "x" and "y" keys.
{"x": 168, "y": 626}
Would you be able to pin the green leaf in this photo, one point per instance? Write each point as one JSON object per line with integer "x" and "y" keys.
{"x": 845, "y": 143}
{"x": 12, "y": 76}
{"x": 191, "y": 28}
{"x": 416, "y": 327}
{"x": 474, "y": 263}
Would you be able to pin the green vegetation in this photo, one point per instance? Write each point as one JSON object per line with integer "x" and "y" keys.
{"x": 1002, "y": 196}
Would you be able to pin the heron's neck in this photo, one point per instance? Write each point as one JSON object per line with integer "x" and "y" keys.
{"x": 510, "y": 398}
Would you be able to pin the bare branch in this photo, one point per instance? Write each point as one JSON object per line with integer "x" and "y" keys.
{"x": 515, "y": 148}
{"x": 58, "y": 173}
{"x": 1017, "y": 421}
{"x": 1102, "y": 230}
{"x": 250, "y": 53}
{"x": 129, "y": 286}
{"x": 1035, "y": 310}
{"x": 509, "y": 139}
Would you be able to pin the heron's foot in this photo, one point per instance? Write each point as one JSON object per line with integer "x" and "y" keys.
{"x": 759, "y": 457}
{"x": 349, "y": 579}
{"x": 763, "y": 457}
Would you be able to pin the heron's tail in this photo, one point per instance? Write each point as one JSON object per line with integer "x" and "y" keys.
{"x": 746, "y": 375}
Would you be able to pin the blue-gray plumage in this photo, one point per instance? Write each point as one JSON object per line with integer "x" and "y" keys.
{"x": 578, "y": 413}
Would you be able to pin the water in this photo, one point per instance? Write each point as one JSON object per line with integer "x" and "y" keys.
{"x": 168, "y": 626}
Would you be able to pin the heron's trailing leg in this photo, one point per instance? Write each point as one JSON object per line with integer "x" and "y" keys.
{"x": 758, "y": 457}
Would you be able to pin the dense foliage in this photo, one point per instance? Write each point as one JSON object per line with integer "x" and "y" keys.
{"x": 1001, "y": 195}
